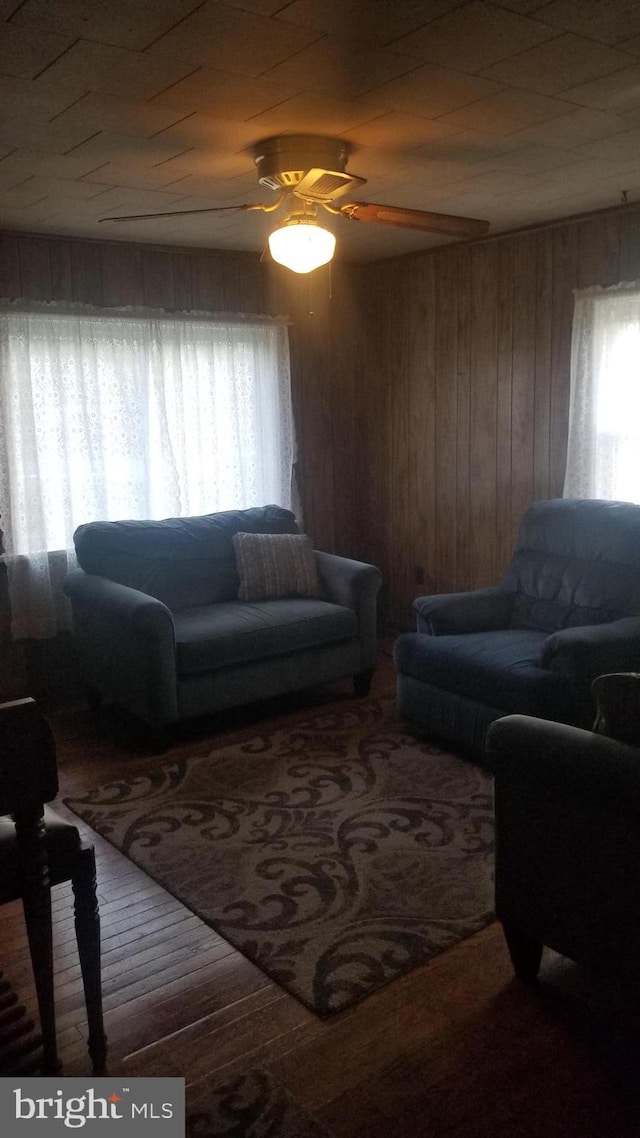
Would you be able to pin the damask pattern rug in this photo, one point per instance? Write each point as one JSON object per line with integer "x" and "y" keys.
{"x": 250, "y": 1105}
{"x": 336, "y": 853}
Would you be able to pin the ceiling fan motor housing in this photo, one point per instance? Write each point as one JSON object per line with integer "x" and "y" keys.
{"x": 310, "y": 165}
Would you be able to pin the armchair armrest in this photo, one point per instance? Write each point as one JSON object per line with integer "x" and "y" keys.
{"x": 355, "y": 585}
{"x": 565, "y": 760}
{"x": 582, "y": 653}
{"x": 448, "y": 614}
{"x": 126, "y": 645}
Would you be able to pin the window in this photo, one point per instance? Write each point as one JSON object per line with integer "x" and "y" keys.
{"x": 603, "y": 455}
{"x": 116, "y": 416}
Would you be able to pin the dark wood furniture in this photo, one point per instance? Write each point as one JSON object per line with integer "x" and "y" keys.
{"x": 38, "y": 849}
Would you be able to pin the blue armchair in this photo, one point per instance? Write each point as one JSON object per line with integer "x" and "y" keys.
{"x": 567, "y": 611}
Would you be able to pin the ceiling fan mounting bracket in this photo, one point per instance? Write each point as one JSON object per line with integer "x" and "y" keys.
{"x": 308, "y": 165}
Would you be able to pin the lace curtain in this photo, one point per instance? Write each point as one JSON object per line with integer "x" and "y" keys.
{"x": 603, "y": 453}
{"x": 115, "y": 416}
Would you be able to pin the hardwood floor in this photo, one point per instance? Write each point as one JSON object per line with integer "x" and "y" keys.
{"x": 454, "y": 1048}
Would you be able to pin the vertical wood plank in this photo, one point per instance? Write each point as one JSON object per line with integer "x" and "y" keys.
{"x": 157, "y": 276}
{"x": 10, "y": 287}
{"x": 465, "y": 376}
{"x": 482, "y": 447}
{"x": 504, "y": 528}
{"x": 446, "y": 344}
{"x": 542, "y": 368}
{"x": 523, "y": 379}
{"x": 86, "y": 272}
{"x": 629, "y": 261}
{"x": 122, "y": 275}
{"x": 35, "y": 268}
{"x": 599, "y": 251}
{"x": 564, "y": 268}
{"x": 61, "y": 271}
{"x": 422, "y": 434}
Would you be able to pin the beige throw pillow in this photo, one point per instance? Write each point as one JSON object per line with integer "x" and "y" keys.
{"x": 275, "y": 565}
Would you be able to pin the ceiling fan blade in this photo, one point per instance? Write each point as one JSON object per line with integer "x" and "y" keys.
{"x": 446, "y": 223}
{"x": 180, "y": 212}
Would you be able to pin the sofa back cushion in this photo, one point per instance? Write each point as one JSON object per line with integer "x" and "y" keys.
{"x": 577, "y": 562}
{"x": 184, "y": 562}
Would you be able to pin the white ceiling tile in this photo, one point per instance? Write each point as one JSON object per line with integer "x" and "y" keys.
{"x": 67, "y": 188}
{"x": 394, "y": 130}
{"x": 608, "y": 21}
{"x": 339, "y": 68}
{"x": 531, "y": 160}
{"x": 252, "y": 43}
{"x": 623, "y": 147}
{"x": 430, "y": 91}
{"x": 199, "y": 163}
{"x": 27, "y": 99}
{"x": 124, "y": 199}
{"x": 469, "y": 146}
{"x": 260, "y": 7}
{"x": 7, "y": 8}
{"x": 131, "y": 174}
{"x": 118, "y": 116}
{"x": 368, "y": 21}
{"x": 474, "y": 36}
{"x": 573, "y": 129}
{"x": 223, "y": 94}
{"x": 100, "y": 67}
{"x": 590, "y": 170}
{"x": 556, "y": 65}
{"x": 319, "y": 114}
{"x": 119, "y": 22}
{"x": 104, "y": 147}
{"x": 24, "y": 163}
{"x": 20, "y": 196}
{"x": 619, "y": 93}
{"x": 507, "y": 111}
{"x": 16, "y": 131}
{"x": 499, "y": 182}
{"x": 25, "y": 52}
{"x": 526, "y": 7}
{"x": 632, "y": 45}
{"x": 199, "y": 129}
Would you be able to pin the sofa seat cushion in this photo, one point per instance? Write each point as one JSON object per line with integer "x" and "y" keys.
{"x": 234, "y": 632}
{"x": 499, "y": 669}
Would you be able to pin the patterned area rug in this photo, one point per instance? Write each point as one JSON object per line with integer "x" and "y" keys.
{"x": 249, "y": 1106}
{"x": 335, "y": 854}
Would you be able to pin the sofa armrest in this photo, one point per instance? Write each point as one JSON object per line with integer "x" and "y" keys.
{"x": 146, "y": 613}
{"x": 449, "y": 614}
{"x": 126, "y": 645}
{"x": 355, "y": 585}
{"x": 567, "y": 761}
{"x": 582, "y": 653}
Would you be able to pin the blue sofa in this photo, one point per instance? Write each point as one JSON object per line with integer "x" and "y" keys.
{"x": 567, "y": 611}
{"x": 160, "y": 630}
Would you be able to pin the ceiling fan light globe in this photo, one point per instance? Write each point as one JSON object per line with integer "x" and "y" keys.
{"x": 302, "y": 245}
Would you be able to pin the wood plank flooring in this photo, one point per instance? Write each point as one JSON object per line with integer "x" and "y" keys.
{"x": 455, "y": 1049}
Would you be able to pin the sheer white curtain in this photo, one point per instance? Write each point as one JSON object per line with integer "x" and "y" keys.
{"x": 115, "y": 416}
{"x": 603, "y": 454}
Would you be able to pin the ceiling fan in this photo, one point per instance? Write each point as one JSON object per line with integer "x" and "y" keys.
{"x": 308, "y": 173}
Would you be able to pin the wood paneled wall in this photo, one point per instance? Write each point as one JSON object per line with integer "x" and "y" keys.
{"x": 431, "y": 392}
{"x": 464, "y": 397}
